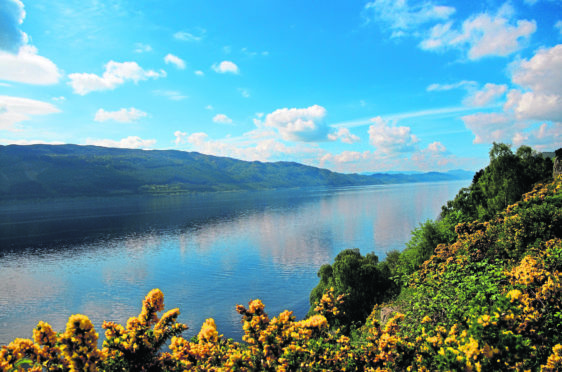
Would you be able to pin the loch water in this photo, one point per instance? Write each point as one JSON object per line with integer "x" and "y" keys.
{"x": 206, "y": 252}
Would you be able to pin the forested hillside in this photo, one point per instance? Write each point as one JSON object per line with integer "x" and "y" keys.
{"x": 39, "y": 171}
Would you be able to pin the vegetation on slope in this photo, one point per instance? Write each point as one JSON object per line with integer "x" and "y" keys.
{"x": 367, "y": 282}
{"x": 40, "y": 171}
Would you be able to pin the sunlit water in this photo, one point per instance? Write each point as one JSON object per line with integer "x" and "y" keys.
{"x": 207, "y": 253}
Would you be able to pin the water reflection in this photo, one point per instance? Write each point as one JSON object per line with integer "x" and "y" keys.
{"x": 207, "y": 253}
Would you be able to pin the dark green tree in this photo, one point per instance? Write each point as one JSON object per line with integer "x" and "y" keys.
{"x": 363, "y": 279}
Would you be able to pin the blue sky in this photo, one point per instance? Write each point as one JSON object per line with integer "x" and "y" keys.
{"x": 352, "y": 86}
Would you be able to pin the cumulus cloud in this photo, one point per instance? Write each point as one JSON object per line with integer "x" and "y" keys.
{"x": 131, "y": 142}
{"x": 344, "y": 135}
{"x": 175, "y": 60}
{"x": 248, "y": 147}
{"x": 541, "y": 81}
{"x": 226, "y": 67}
{"x": 490, "y": 127}
{"x": 546, "y": 137}
{"x": 344, "y": 157}
{"x": 14, "y": 110}
{"x": 532, "y": 112}
{"x": 488, "y": 94}
{"x": 122, "y": 116}
{"x": 401, "y": 17}
{"x": 294, "y": 124}
{"x": 19, "y": 61}
{"x": 115, "y": 74}
{"x": 28, "y": 67}
{"x": 222, "y": 119}
{"x": 483, "y": 34}
{"x": 181, "y": 137}
{"x": 435, "y": 156}
{"x": 391, "y": 139}
{"x": 436, "y": 147}
{"x": 11, "y": 17}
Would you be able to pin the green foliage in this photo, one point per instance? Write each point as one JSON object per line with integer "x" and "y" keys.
{"x": 363, "y": 279}
{"x": 501, "y": 183}
{"x": 421, "y": 246}
{"x": 495, "y": 293}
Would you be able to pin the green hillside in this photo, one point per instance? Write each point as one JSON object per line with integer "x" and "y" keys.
{"x": 40, "y": 171}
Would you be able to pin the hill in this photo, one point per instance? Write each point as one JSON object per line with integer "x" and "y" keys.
{"x": 39, "y": 171}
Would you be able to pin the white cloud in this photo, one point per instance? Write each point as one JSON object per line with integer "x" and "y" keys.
{"x": 541, "y": 82}
{"x": 187, "y": 36}
{"x": 435, "y": 156}
{"x": 199, "y": 73}
{"x": 295, "y": 124}
{"x": 490, "y": 127}
{"x": 436, "y": 147}
{"x": 226, "y": 67}
{"x": 488, "y": 94}
{"x": 483, "y": 34}
{"x": 181, "y": 137}
{"x": 399, "y": 16}
{"x": 344, "y": 135}
{"x": 14, "y": 110}
{"x": 11, "y": 17}
{"x": 19, "y": 61}
{"x": 24, "y": 142}
{"x": 131, "y": 142}
{"x": 175, "y": 60}
{"x": 142, "y": 48}
{"x": 28, "y": 67}
{"x": 534, "y": 106}
{"x": 345, "y": 157}
{"x": 244, "y": 93}
{"x": 542, "y": 73}
{"x": 247, "y": 148}
{"x": 532, "y": 113}
{"x": 122, "y": 116}
{"x": 222, "y": 118}
{"x": 391, "y": 139}
{"x": 115, "y": 74}
{"x": 174, "y": 95}
{"x": 546, "y": 137}
{"x": 466, "y": 84}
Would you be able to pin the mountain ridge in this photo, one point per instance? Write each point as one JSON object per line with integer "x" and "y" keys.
{"x": 43, "y": 171}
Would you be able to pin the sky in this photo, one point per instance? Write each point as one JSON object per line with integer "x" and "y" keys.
{"x": 351, "y": 86}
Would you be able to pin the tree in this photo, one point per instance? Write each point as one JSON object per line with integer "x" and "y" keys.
{"x": 363, "y": 279}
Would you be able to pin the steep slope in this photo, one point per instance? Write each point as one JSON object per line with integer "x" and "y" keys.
{"x": 68, "y": 170}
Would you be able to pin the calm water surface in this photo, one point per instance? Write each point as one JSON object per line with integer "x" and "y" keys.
{"x": 207, "y": 253}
